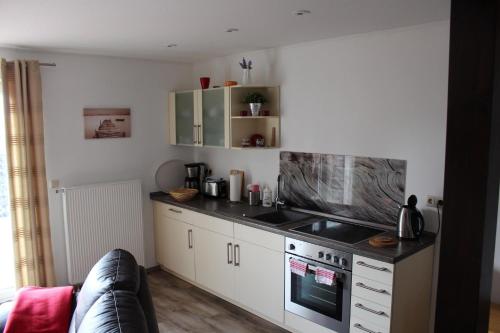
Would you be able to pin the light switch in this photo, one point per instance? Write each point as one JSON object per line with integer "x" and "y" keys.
{"x": 54, "y": 183}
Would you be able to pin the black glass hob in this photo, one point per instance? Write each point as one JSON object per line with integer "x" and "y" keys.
{"x": 338, "y": 231}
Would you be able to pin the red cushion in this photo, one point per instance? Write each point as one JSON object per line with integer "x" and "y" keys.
{"x": 41, "y": 310}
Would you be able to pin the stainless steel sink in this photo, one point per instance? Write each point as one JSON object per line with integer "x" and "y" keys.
{"x": 281, "y": 217}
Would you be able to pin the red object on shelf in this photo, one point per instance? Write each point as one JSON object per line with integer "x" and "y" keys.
{"x": 266, "y": 113}
{"x": 254, "y": 188}
{"x": 243, "y": 113}
{"x": 254, "y": 138}
{"x": 205, "y": 82}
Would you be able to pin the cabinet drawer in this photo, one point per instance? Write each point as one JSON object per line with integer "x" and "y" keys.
{"x": 372, "y": 291}
{"x": 373, "y": 269}
{"x": 200, "y": 220}
{"x": 371, "y": 312}
{"x": 362, "y": 326}
{"x": 212, "y": 223}
{"x": 175, "y": 212}
{"x": 259, "y": 237}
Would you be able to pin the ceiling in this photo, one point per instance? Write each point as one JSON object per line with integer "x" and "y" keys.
{"x": 144, "y": 28}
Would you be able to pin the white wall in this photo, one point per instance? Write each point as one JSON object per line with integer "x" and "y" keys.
{"x": 380, "y": 94}
{"x": 85, "y": 81}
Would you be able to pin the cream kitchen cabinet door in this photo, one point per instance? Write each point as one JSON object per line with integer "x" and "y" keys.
{"x": 160, "y": 233}
{"x": 214, "y": 259}
{"x": 259, "y": 279}
{"x": 174, "y": 245}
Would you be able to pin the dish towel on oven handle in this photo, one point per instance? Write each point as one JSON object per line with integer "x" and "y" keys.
{"x": 325, "y": 276}
{"x": 298, "y": 267}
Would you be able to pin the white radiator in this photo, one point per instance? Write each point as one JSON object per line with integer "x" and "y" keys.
{"x": 99, "y": 218}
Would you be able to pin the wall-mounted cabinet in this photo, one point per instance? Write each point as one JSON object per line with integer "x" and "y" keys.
{"x": 214, "y": 118}
{"x": 199, "y": 118}
{"x": 182, "y": 118}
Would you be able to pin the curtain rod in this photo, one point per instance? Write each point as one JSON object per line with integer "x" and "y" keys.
{"x": 45, "y": 64}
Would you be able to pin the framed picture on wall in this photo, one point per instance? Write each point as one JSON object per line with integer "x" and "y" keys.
{"x": 105, "y": 123}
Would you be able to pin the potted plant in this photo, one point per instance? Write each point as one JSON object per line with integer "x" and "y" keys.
{"x": 247, "y": 67}
{"x": 255, "y": 100}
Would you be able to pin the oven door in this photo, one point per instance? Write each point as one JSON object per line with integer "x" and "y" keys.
{"x": 328, "y": 306}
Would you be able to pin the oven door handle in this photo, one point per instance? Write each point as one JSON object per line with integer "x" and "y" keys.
{"x": 313, "y": 268}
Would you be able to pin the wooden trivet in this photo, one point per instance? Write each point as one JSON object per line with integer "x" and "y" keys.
{"x": 383, "y": 241}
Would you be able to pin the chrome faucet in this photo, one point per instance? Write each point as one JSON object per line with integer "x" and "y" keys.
{"x": 277, "y": 201}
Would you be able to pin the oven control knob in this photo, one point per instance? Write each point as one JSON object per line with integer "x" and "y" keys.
{"x": 321, "y": 254}
{"x": 291, "y": 247}
{"x": 336, "y": 259}
{"x": 343, "y": 262}
{"x": 328, "y": 256}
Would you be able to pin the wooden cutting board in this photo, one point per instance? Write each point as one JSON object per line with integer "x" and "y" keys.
{"x": 383, "y": 241}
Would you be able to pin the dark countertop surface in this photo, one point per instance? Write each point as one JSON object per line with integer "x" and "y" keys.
{"x": 242, "y": 213}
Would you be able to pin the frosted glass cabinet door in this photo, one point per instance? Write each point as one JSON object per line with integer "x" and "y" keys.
{"x": 213, "y": 117}
{"x": 184, "y": 117}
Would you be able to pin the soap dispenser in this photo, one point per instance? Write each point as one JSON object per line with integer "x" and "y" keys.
{"x": 267, "y": 197}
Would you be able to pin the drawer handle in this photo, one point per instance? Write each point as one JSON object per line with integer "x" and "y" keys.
{"x": 236, "y": 255}
{"x": 380, "y": 291}
{"x": 175, "y": 210}
{"x": 229, "y": 253}
{"x": 362, "y": 328}
{"x": 364, "y": 264}
{"x": 362, "y": 307}
{"x": 190, "y": 238}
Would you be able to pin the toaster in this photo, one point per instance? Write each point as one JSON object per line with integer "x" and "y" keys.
{"x": 214, "y": 187}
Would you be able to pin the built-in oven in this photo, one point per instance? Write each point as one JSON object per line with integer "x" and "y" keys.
{"x": 324, "y": 304}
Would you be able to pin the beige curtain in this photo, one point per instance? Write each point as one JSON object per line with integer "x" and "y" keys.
{"x": 26, "y": 163}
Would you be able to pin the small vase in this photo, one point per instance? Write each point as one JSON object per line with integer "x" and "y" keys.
{"x": 255, "y": 108}
{"x": 246, "y": 77}
{"x": 205, "y": 82}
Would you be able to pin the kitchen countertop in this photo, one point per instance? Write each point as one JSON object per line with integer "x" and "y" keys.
{"x": 242, "y": 212}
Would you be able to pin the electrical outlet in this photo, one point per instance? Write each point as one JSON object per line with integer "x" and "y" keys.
{"x": 431, "y": 200}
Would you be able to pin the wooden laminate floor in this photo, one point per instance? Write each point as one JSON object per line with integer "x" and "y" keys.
{"x": 494, "y": 318}
{"x": 184, "y": 308}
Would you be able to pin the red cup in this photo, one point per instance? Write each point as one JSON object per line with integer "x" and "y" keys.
{"x": 205, "y": 82}
{"x": 243, "y": 113}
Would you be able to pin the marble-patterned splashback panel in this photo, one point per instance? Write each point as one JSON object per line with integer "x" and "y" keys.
{"x": 363, "y": 188}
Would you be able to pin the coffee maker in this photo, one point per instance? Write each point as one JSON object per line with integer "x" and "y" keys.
{"x": 195, "y": 175}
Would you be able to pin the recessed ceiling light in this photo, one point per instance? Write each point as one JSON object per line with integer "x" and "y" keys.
{"x": 301, "y": 12}
{"x": 232, "y": 30}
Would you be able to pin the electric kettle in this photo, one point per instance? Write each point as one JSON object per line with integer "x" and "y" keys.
{"x": 410, "y": 220}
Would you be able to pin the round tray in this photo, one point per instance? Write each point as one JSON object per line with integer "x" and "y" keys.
{"x": 170, "y": 175}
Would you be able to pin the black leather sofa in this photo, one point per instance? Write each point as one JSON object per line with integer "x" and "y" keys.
{"x": 115, "y": 297}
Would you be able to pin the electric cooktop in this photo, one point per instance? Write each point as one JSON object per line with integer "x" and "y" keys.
{"x": 338, "y": 231}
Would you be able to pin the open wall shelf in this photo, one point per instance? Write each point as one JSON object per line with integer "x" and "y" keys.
{"x": 246, "y": 126}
